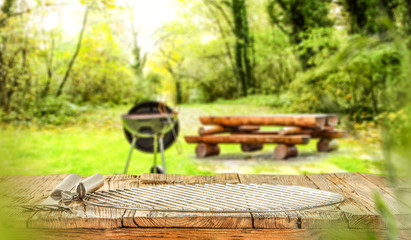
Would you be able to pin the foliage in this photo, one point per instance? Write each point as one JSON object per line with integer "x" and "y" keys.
{"x": 387, "y": 216}
{"x": 37, "y": 63}
{"x": 277, "y": 65}
{"x": 364, "y": 79}
{"x": 370, "y": 16}
{"x": 297, "y": 19}
{"x": 94, "y": 142}
{"x": 308, "y": 57}
{"x": 49, "y": 111}
{"x": 110, "y": 80}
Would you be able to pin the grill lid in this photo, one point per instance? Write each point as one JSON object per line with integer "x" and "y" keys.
{"x": 146, "y": 144}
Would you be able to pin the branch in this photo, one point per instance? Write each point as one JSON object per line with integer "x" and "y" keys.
{"x": 225, "y": 16}
{"x": 223, "y": 35}
{"x": 273, "y": 17}
{"x": 16, "y": 14}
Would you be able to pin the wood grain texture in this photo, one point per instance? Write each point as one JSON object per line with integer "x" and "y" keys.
{"x": 251, "y": 147}
{"x": 327, "y": 145}
{"x": 290, "y": 130}
{"x": 24, "y": 190}
{"x": 86, "y": 216}
{"x": 301, "y": 120}
{"x": 358, "y": 208}
{"x": 249, "y": 138}
{"x": 356, "y": 212}
{"x": 191, "y": 220}
{"x": 205, "y": 150}
{"x": 283, "y": 151}
{"x": 399, "y": 207}
{"x": 325, "y": 217}
{"x": 313, "y": 133}
{"x": 209, "y": 130}
{"x": 181, "y": 233}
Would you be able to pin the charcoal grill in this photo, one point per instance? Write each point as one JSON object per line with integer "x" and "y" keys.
{"x": 150, "y": 127}
{"x": 215, "y": 198}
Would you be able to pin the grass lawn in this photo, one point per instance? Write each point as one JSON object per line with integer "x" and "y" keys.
{"x": 96, "y": 144}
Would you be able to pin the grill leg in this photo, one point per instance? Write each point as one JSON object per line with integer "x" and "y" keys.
{"x": 133, "y": 142}
{"x": 155, "y": 153}
{"x": 162, "y": 153}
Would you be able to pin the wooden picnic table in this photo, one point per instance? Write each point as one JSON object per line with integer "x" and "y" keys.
{"x": 357, "y": 213}
{"x": 245, "y": 130}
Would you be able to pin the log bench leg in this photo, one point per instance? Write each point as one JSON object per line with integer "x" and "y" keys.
{"x": 251, "y": 147}
{"x": 205, "y": 150}
{"x": 283, "y": 151}
{"x": 327, "y": 145}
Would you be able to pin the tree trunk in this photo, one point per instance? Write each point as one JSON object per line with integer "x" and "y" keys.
{"x": 223, "y": 34}
{"x": 49, "y": 68}
{"x": 179, "y": 95}
{"x": 242, "y": 46}
{"x": 408, "y": 16}
{"x": 73, "y": 59}
{"x": 240, "y": 67}
{"x": 248, "y": 51}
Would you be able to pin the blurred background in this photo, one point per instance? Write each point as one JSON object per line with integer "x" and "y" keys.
{"x": 69, "y": 69}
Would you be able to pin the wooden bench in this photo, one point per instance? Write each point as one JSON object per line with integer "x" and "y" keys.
{"x": 245, "y": 130}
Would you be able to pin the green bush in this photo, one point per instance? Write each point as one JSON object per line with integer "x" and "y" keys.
{"x": 364, "y": 79}
{"x": 49, "y": 110}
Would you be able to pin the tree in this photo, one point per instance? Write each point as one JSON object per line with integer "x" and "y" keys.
{"x": 298, "y": 18}
{"x": 172, "y": 63}
{"x": 14, "y": 51}
{"x": 367, "y": 16}
{"x": 243, "y": 45}
{"x": 242, "y": 63}
{"x": 49, "y": 59}
{"x": 407, "y": 17}
{"x": 76, "y": 52}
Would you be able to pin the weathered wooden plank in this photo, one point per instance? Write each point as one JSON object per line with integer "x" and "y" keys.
{"x": 290, "y": 130}
{"x": 317, "y": 121}
{"x": 87, "y": 216}
{"x": 383, "y": 182}
{"x": 249, "y": 138}
{"x": 209, "y": 130}
{"x": 399, "y": 207}
{"x": 332, "y": 120}
{"x": 190, "y": 220}
{"x": 24, "y": 190}
{"x": 314, "y": 218}
{"x": 357, "y": 208}
{"x": 313, "y": 133}
{"x": 400, "y": 190}
{"x": 372, "y": 183}
{"x": 187, "y": 233}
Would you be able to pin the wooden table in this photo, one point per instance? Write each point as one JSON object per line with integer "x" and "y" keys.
{"x": 245, "y": 130}
{"x": 357, "y": 213}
